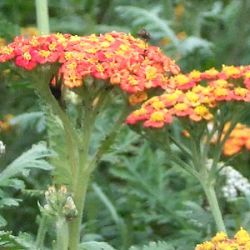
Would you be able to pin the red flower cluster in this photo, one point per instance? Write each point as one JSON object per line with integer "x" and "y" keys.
{"x": 194, "y": 95}
{"x": 116, "y": 57}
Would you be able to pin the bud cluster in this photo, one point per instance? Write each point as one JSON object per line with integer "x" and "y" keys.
{"x": 59, "y": 202}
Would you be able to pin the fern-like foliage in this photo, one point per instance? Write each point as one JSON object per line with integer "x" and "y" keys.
{"x": 160, "y": 245}
{"x": 57, "y": 142}
{"x": 150, "y": 19}
{"x": 30, "y": 120}
{"x": 94, "y": 245}
{"x": 33, "y": 158}
{"x": 20, "y": 242}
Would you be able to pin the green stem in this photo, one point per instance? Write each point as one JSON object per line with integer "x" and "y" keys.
{"x": 42, "y": 16}
{"x": 214, "y": 205}
{"x": 79, "y": 198}
{"x": 41, "y": 232}
{"x": 81, "y": 182}
{"x": 62, "y": 239}
{"x": 42, "y": 87}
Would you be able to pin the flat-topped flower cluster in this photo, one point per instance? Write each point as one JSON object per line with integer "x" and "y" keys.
{"x": 195, "y": 95}
{"x": 240, "y": 241}
{"x": 119, "y": 58}
{"x": 238, "y": 139}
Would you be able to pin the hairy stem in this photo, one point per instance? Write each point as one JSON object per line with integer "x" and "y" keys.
{"x": 43, "y": 90}
{"x": 82, "y": 180}
{"x": 41, "y": 232}
{"x": 62, "y": 239}
{"x": 214, "y": 205}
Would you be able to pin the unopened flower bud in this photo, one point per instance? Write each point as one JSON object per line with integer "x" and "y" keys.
{"x": 69, "y": 209}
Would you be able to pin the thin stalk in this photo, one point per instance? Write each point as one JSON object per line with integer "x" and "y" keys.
{"x": 181, "y": 146}
{"x": 220, "y": 144}
{"x": 62, "y": 239}
{"x": 41, "y": 232}
{"x": 42, "y": 16}
{"x": 81, "y": 183}
{"x": 79, "y": 198}
{"x": 214, "y": 205}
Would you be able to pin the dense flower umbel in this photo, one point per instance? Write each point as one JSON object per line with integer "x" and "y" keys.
{"x": 240, "y": 241}
{"x": 195, "y": 95}
{"x": 117, "y": 57}
{"x": 238, "y": 140}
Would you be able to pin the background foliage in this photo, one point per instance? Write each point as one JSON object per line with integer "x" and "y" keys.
{"x": 136, "y": 196}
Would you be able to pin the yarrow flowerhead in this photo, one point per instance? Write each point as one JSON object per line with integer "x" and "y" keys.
{"x": 238, "y": 139}
{"x": 195, "y": 96}
{"x": 241, "y": 241}
{"x": 118, "y": 58}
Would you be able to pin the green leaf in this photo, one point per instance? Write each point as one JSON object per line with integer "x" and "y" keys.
{"x": 192, "y": 43}
{"x": 9, "y": 241}
{"x": 57, "y": 143}
{"x": 149, "y": 19}
{"x": 3, "y": 222}
{"x": 94, "y": 245}
{"x": 30, "y": 120}
{"x": 160, "y": 245}
{"x": 9, "y": 202}
{"x": 33, "y": 158}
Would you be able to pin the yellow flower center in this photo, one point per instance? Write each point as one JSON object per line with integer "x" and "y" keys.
{"x": 203, "y": 112}
{"x": 27, "y": 56}
{"x": 181, "y": 106}
{"x": 219, "y": 237}
{"x": 44, "y": 53}
{"x": 140, "y": 112}
{"x": 241, "y": 91}
{"x": 211, "y": 72}
{"x": 181, "y": 79}
{"x": 221, "y": 92}
{"x": 195, "y": 74}
{"x": 157, "y": 116}
{"x": 158, "y": 105}
{"x": 150, "y": 72}
{"x": 191, "y": 96}
{"x": 230, "y": 70}
{"x": 221, "y": 83}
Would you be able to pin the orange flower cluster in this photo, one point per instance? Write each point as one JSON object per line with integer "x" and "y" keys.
{"x": 239, "y": 138}
{"x": 116, "y": 57}
{"x": 194, "y": 96}
{"x": 241, "y": 241}
{"x": 5, "y": 123}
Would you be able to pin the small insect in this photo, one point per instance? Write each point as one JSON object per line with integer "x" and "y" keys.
{"x": 144, "y": 34}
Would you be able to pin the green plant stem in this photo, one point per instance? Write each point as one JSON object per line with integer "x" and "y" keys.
{"x": 79, "y": 198}
{"x": 62, "y": 239}
{"x": 42, "y": 16}
{"x": 214, "y": 205}
{"x": 42, "y": 87}
{"x": 41, "y": 232}
{"x": 81, "y": 182}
